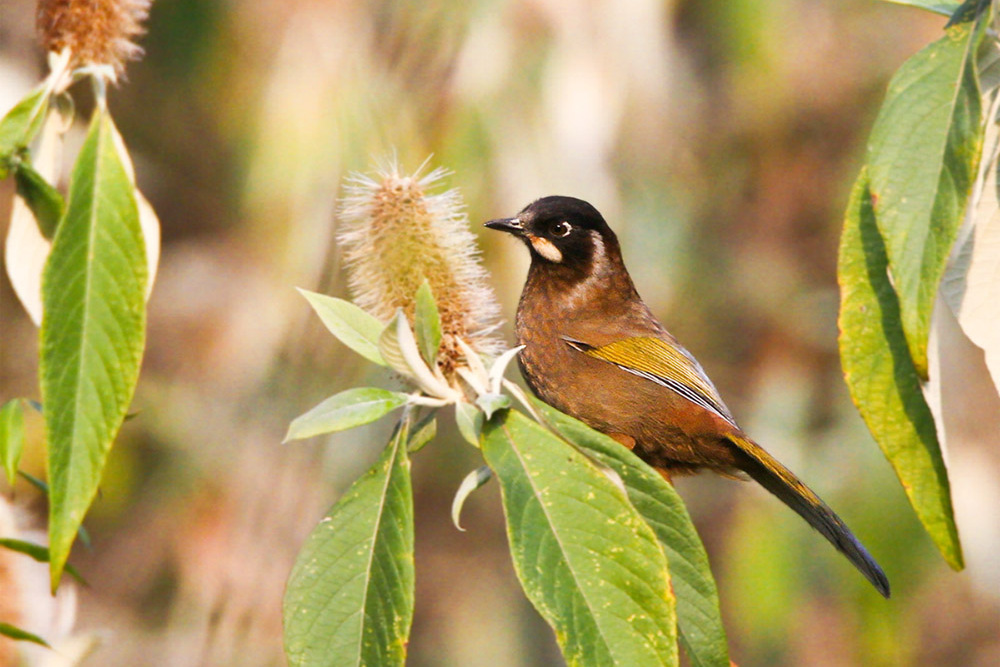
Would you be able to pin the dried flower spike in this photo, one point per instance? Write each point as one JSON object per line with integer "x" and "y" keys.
{"x": 96, "y": 32}
{"x": 395, "y": 235}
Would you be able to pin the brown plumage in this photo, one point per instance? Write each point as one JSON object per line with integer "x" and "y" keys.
{"x": 595, "y": 351}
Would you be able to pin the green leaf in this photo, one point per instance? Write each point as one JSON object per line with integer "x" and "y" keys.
{"x": 398, "y": 347}
{"x": 469, "y": 420}
{"x": 491, "y": 403}
{"x": 43, "y": 488}
{"x": 350, "y": 324}
{"x": 345, "y": 410}
{"x": 93, "y": 330}
{"x": 14, "y": 632}
{"x": 350, "y": 597}
{"x": 422, "y": 433}
{"x": 427, "y": 324}
{"x": 968, "y": 11}
{"x": 923, "y": 157}
{"x": 35, "y": 482}
{"x": 700, "y": 625}
{"x": 587, "y": 560}
{"x": 44, "y": 201}
{"x": 11, "y": 437}
{"x": 881, "y": 377}
{"x": 20, "y": 125}
{"x": 36, "y": 552}
{"x": 943, "y": 7}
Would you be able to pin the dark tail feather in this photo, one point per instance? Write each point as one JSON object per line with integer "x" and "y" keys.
{"x": 775, "y": 477}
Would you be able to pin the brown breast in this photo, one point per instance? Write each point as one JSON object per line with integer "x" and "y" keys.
{"x": 670, "y": 432}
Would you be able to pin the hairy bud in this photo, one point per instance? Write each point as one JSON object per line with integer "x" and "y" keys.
{"x": 395, "y": 235}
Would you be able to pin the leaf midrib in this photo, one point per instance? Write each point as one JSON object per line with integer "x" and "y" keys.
{"x": 559, "y": 541}
{"x": 941, "y": 149}
{"x": 79, "y": 356}
{"x": 367, "y": 572}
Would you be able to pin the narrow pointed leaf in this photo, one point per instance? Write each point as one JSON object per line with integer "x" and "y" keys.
{"x": 11, "y": 437}
{"x": 27, "y": 249}
{"x": 470, "y": 483}
{"x": 881, "y": 377}
{"x": 44, "y": 201}
{"x": 700, "y": 624}
{"x": 469, "y": 420}
{"x": 14, "y": 632}
{"x": 93, "y": 331}
{"x": 398, "y": 347}
{"x": 491, "y": 403}
{"x": 350, "y": 597}
{"x": 36, "y": 552}
{"x": 427, "y": 324}
{"x": 587, "y": 560}
{"x": 496, "y": 373}
{"x": 349, "y": 323}
{"x": 345, "y": 410}
{"x": 43, "y": 488}
{"x": 20, "y": 125}
{"x": 422, "y": 433}
{"x": 923, "y": 157}
{"x": 39, "y": 484}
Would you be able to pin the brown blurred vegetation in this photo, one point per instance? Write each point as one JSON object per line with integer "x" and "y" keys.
{"x": 719, "y": 138}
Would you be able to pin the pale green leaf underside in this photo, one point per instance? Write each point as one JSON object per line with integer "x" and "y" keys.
{"x": 427, "y": 324}
{"x": 350, "y": 324}
{"x": 586, "y": 559}
{"x": 19, "y": 125}
{"x": 881, "y": 378}
{"x": 699, "y": 622}
{"x": 350, "y": 596}
{"x": 469, "y": 421}
{"x": 11, "y": 437}
{"x": 923, "y": 156}
{"x": 93, "y": 330}
{"x": 345, "y": 410}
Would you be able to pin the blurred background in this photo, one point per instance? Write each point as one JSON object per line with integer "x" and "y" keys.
{"x": 719, "y": 138}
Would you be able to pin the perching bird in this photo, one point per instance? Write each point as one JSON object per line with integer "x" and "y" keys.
{"x": 595, "y": 351}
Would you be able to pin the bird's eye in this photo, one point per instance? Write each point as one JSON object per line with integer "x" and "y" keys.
{"x": 561, "y": 229}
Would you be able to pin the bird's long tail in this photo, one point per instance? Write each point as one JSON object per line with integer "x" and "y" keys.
{"x": 775, "y": 477}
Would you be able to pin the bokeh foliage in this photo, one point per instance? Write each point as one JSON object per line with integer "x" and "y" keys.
{"x": 724, "y": 160}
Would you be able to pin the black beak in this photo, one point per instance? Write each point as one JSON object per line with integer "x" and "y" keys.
{"x": 510, "y": 225}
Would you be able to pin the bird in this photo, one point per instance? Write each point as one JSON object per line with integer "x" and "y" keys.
{"x": 594, "y": 350}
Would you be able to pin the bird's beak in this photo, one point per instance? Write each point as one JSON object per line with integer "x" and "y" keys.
{"x": 510, "y": 225}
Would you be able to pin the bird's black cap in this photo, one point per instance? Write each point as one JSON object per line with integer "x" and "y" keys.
{"x": 560, "y": 230}
{"x": 554, "y": 208}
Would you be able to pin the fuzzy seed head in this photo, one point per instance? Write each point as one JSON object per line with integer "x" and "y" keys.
{"x": 395, "y": 235}
{"x": 97, "y": 32}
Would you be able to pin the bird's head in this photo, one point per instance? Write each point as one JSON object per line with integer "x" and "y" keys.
{"x": 561, "y": 230}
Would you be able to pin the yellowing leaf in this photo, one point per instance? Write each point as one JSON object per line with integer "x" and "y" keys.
{"x": 881, "y": 377}
{"x": 922, "y": 160}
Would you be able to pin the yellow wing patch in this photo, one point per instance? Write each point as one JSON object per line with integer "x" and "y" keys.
{"x": 661, "y": 362}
